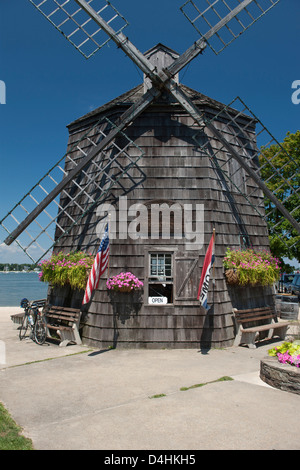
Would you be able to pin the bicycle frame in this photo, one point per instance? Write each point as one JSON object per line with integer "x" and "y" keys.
{"x": 33, "y": 318}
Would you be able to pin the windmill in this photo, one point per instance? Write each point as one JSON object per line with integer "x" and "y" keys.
{"x": 103, "y": 163}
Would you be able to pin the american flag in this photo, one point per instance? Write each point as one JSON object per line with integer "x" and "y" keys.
{"x": 98, "y": 268}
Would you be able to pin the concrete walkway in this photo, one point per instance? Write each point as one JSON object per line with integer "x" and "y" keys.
{"x": 91, "y": 399}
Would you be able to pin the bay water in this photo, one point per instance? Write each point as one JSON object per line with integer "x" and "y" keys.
{"x": 14, "y": 286}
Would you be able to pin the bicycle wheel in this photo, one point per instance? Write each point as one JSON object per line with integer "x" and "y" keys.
{"x": 39, "y": 331}
{"x": 24, "y": 327}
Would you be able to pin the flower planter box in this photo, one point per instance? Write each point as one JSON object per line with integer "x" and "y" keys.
{"x": 243, "y": 297}
{"x": 248, "y": 267}
{"x": 65, "y": 296}
{"x": 126, "y": 303}
{"x": 283, "y": 376}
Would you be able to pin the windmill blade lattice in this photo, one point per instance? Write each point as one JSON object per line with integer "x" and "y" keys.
{"x": 77, "y": 26}
{"x": 270, "y": 161}
{"x": 114, "y": 166}
{"x": 204, "y": 15}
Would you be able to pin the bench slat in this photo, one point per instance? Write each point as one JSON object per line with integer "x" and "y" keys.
{"x": 65, "y": 314}
{"x": 258, "y": 312}
{"x": 64, "y": 309}
{"x": 253, "y": 314}
{"x": 59, "y": 327}
{"x": 253, "y": 310}
{"x": 269, "y": 326}
{"x": 252, "y": 319}
{"x": 62, "y": 318}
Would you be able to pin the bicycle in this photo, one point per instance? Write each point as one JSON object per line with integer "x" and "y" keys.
{"x": 34, "y": 320}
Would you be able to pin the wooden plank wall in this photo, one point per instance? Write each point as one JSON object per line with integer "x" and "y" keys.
{"x": 176, "y": 170}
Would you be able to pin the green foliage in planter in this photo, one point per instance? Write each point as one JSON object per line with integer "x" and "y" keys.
{"x": 287, "y": 353}
{"x": 292, "y": 347}
{"x": 67, "y": 269}
{"x": 252, "y": 267}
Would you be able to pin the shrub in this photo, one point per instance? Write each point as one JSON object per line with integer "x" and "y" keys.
{"x": 67, "y": 269}
{"x": 251, "y": 267}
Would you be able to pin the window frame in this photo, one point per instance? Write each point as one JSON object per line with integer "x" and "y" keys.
{"x": 158, "y": 277}
{"x": 153, "y": 250}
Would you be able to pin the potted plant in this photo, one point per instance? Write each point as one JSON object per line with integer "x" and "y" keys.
{"x": 125, "y": 294}
{"x": 67, "y": 275}
{"x": 67, "y": 269}
{"x": 249, "y": 267}
{"x": 124, "y": 282}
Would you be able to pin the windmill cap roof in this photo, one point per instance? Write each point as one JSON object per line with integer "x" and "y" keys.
{"x": 135, "y": 94}
{"x": 161, "y": 47}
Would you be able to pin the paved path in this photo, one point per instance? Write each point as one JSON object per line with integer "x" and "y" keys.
{"x": 101, "y": 399}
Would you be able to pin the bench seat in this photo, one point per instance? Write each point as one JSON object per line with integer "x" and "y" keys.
{"x": 251, "y": 322}
{"x": 65, "y": 322}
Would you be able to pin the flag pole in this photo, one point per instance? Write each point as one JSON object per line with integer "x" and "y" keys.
{"x": 206, "y": 271}
{"x": 213, "y": 273}
{"x": 109, "y": 216}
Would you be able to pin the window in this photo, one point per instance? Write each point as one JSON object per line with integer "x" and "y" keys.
{"x": 160, "y": 284}
{"x": 161, "y": 266}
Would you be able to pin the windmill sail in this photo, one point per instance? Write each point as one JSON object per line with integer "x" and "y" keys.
{"x": 237, "y": 17}
{"x": 264, "y": 159}
{"x": 77, "y": 26}
{"x": 114, "y": 166}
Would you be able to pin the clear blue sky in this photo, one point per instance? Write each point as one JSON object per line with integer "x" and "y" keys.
{"x": 49, "y": 84}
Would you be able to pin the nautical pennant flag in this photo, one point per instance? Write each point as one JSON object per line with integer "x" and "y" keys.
{"x": 98, "y": 268}
{"x": 205, "y": 275}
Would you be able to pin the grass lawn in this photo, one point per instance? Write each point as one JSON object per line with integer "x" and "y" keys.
{"x": 10, "y": 438}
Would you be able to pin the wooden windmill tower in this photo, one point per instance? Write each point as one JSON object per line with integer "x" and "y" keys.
{"x": 186, "y": 165}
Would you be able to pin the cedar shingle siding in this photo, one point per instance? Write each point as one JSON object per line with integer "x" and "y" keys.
{"x": 175, "y": 170}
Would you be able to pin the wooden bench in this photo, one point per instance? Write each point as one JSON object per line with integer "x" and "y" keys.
{"x": 65, "y": 321}
{"x": 251, "y": 322}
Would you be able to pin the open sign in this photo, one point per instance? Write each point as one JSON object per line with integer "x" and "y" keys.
{"x": 157, "y": 300}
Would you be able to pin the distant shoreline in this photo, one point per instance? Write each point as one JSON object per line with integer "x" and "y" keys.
{"x": 15, "y": 286}
{"x": 20, "y": 272}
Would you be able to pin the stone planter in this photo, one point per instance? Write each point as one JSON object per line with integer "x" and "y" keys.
{"x": 126, "y": 303}
{"x": 283, "y": 376}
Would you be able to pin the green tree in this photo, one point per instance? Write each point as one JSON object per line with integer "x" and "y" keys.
{"x": 284, "y": 239}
